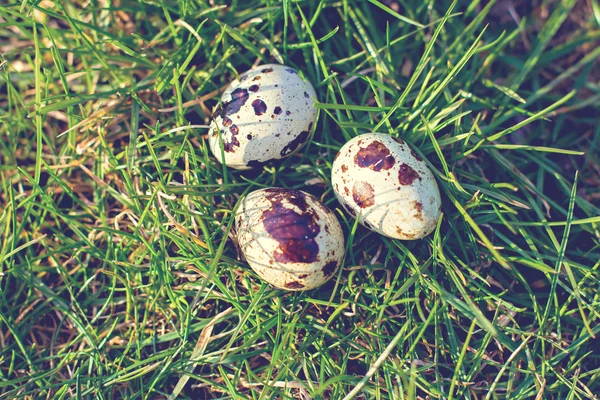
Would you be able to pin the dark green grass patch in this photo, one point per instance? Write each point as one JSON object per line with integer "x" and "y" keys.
{"x": 119, "y": 271}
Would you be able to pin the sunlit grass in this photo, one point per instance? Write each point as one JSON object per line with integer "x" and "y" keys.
{"x": 119, "y": 271}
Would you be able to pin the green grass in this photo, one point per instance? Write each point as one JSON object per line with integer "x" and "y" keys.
{"x": 119, "y": 275}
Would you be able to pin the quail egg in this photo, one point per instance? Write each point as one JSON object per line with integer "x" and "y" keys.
{"x": 266, "y": 114}
{"x": 289, "y": 238}
{"x": 384, "y": 183}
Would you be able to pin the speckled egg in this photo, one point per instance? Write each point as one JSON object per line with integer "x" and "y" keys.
{"x": 289, "y": 238}
{"x": 266, "y": 114}
{"x": 384, "y": 183}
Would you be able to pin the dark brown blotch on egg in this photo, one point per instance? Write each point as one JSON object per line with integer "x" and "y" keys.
{"x": 230, "y": 145}
{"x": 407, "y": 175}
{"x": 294, "y": 231}
{"x": 294, "y": 285}
{"x": 259, "y": 107}
{"x": 239, "y": 97}
{"x": 415, "y": 155}
{"x": 376, "y": 156}
{"x": 294, "y": 143}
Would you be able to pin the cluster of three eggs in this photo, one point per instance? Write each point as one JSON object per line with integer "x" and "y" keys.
{"x": 288, "y": 237}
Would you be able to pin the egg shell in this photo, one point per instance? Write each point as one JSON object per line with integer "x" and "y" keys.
{"x": 384, "y": 183}
{"x": 266, "y": 114}
{"x": 289, "y": 238}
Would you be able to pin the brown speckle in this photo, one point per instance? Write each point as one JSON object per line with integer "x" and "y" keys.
{"x": 375, "y": 156}
{"x": 253, "y": 88}
{"x": 295, "y": 231}
{"x": 400, "y": 232}
{"x": 415, "y": 155}
{"x": 267, "y": 70}
{"x": 346, "y": 190}
{"x": 329, "y": 268}
{"x": 344, "y": 168}
{"x": 277, "y": 110}
{"x": 407, "y": 175}
{"x": 363, "y": 194}
{"x": 227, "y": 121}
{"x": 302, "y": 276}
{"x": 259, "y": 107}
{"x": 419, "y": 209}
{"x": 398, "y": 140}
{"x": 230, "y": 145}
{"x": 256, "y": 78}
{"x": 294, "y": 143}
{"x": 294, "y": 285}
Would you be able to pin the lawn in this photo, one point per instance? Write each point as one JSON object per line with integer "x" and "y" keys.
{"x": 120, "y": 275}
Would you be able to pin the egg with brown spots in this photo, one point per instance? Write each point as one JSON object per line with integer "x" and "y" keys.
{"x": 289, "y": 238}
{"x": 266, "y": 114}
{"x": 384, "y": 183}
